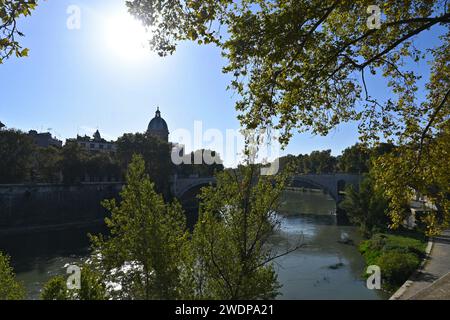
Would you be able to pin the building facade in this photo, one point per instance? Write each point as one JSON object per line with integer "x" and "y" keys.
{"x": 95, "y": 144}
{"x": 44, "y": 139}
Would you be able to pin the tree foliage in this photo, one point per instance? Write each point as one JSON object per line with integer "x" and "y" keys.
{"x": 230, "y": 246}
{"x": 149, "y": 253}
{"x": 366, "y": 207}
{"x": 92, "y": 287}
{"x": 155, "y": 152}
{"x": 16, "y": 156}
{"x": 401, "y": 175}
{"x": 319, "y": 162}
{"x": 77, "y": 164}
{"x": 55, "y": 289}
{"x": 10, "y": 12}
{"x": 47, "y": 165}
{"x": 356, "y": 159}
{"x": 303, "y": 61}
{"x": 22, "y": 161}
{"x": 198, "y": 166}
{"x": 305, "y": 66}
{"x": 145, "y": 251}
{"x": 10, "y": 288}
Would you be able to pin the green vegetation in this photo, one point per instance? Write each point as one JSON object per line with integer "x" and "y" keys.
{"x": 24, "y": 162}
{"x": 356, "y": 159}
{"x": 10, "y": 288}
{"x": 92, "y": 287}
{"x": 55, "y": 289}
{"x": 10, "y": 12}
{"x": 76, "y": 164}
{"x": 147, "y": 236}
{"x": 296, "y": 66}
{"x": 306, "y": 66}
{"x": 16, "y": 151}
{"x": 201, "y": 168}
{"x": 230, "y": 239}
{"x": 151, "y": 255}
{"x": 366, "y": 207}
{"x": 154, "y": 151}
{"x": 397, "y": 255}
{"x": 317, "y": 162}
{"x": 400, "y": 174}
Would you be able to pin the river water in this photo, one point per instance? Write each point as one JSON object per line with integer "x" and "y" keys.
{"x": 323, "y": 268}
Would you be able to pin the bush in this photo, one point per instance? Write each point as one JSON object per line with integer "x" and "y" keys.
{"x": 396, "y": 266}
{"x": 55, "y": 289}
{"x": 10, "y": 288}
{"x": 397, "y": 256}
{"x": 92, "y": 287}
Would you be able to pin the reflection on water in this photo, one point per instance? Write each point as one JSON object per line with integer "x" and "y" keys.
{"x": 307, "y": 202}
{"x": 37, "y": 257}
{"x": 323, "y": 269}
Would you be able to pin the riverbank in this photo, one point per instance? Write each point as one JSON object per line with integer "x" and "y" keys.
{"x": 398, "y": 256}
{"x": 432, "y": 280}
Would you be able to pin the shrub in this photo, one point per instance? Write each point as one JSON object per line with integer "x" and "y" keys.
{"x": 10, "y": 288}
{"x": 92, "y": 287}
{"x": 397, "y": 256}
{"x": 396, "y": 267}
{"x": 55, "y": 289}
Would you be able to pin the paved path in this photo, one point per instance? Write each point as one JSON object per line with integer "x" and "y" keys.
{"x": 433, "y": 281}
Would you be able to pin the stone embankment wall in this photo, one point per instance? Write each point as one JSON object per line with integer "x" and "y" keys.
{"x": 35, "y": 206}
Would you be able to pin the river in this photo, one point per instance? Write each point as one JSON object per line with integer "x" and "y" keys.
{"x": 323, "y": 268}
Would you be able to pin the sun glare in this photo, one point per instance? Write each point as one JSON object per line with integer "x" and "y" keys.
{"x": 126, "y": 37}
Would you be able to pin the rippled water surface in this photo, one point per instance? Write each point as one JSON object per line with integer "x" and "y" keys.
{"x": 323, "y": 268}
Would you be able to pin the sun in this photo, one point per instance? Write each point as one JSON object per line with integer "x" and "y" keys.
{"x": 126, "y": 37}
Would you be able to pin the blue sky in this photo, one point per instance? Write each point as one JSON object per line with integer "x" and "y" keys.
{"x": 76, "y": 81}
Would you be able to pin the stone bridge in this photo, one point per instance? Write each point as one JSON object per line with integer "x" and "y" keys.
{"x": 181, "y": 186}
{"x": 331, "y": 183}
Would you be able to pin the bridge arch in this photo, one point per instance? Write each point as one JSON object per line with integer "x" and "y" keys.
{"x": 191, "y": 193}
{"x": 333, "y": 184}
{"x": 299, "y": 181}
{"x": 181, "y": 186}
{"x": 341, "y": 185}
{"x": 186, "y": 191}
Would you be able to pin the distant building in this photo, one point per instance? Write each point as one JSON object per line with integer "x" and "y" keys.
{"x": 95, "y": 144}
{"x": 44, "y": 139}
{"x": 158, "y": 127}
{"x": 2, "y": 125}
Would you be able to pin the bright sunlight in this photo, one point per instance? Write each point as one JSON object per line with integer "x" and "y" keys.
{"x": 126, "y": 37}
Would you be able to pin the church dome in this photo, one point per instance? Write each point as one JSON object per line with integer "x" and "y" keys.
{"x": 157, "y": 123}
{"x": 158, "y": 126}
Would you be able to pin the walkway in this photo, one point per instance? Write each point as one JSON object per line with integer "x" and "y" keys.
{"x": 433, "y": 281}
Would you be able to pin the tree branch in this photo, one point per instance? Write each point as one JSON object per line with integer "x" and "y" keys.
{"x": 428, "y": 126}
